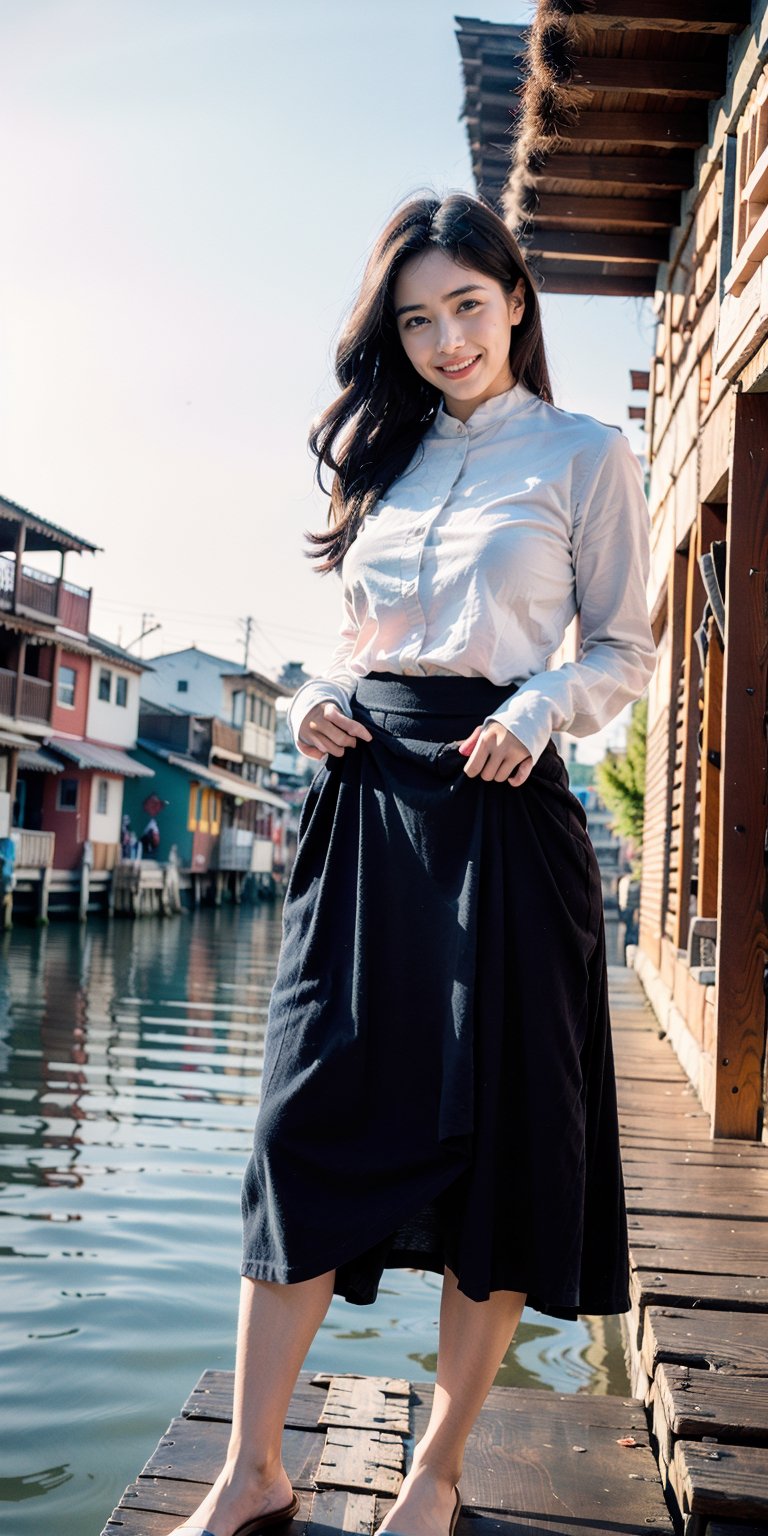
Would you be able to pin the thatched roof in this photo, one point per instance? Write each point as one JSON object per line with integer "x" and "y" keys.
{"x": 586, "y": 134}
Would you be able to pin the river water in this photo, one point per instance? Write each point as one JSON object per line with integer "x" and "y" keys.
{"x": 130, "y": 1060}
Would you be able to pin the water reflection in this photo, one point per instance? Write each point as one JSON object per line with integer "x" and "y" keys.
{"x": 131, "y": 1057}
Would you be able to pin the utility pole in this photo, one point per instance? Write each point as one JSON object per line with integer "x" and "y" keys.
{"x": 248, "y": 627}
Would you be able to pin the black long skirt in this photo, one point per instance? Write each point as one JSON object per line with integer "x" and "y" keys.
{"x": 438, "y": 1084}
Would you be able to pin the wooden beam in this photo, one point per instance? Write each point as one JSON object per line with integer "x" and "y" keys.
{"x": 571, "y": 208}
{"x": 723, "y": 16}
{"x": 674, "y": 172}
{"x": 604, "y": 245}
{"x": 636, "y": 412}
{"x": 618, "y": 285}
{"x": 693, "y": 78}
{"x": 742, "y": 937}
{"x": 639, "y": 378}
{"x": 674, "y": 130}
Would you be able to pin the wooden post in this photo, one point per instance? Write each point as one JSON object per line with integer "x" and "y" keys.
{"x": 21, "y": 657}
{"x": 85, "y": 880}
{"x": 21, "y": 539}
{"x": 43, "y": 895}
{"x": 742, "y": 940}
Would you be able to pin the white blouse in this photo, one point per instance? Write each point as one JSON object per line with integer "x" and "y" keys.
{"x": 480, "y": 554}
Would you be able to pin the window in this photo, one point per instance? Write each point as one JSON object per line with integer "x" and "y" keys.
{"x": 67, "y": 796}
{"x": 105, "y": 685}
{"x": 102, "y": 796}
{"x": 182, "y": 686}
{"x": 65, "y": 691}
{"x": 121, "y": 692}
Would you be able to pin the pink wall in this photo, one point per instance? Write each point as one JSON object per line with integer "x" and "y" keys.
{"x": 71, "y": 827}
{"x": 71, "y": 722}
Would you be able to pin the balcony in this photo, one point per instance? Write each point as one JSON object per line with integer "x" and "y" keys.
{"x": 33, "y": 702}
{"x": 42, "y": 596}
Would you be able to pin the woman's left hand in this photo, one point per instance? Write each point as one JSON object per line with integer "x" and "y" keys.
{"x": 495, "y": 754}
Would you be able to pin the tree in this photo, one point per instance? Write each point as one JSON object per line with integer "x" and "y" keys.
{"x": 621, "y": 784}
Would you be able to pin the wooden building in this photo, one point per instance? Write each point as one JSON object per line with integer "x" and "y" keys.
{"x": 626, "y": 144}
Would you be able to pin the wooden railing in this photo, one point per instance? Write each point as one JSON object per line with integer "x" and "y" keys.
{"x": 34, "y": 850}
{"x": 41, "y": 593}
{"x": 35, "y": 699}
{"x": 7, "y": 692}
{"x": 32, "y": 701}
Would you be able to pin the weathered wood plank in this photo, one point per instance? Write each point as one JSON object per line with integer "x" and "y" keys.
{"x": 709, "y": 1246}
{"x": 156, "y": 1504}
{"x": 522, "y": 1456}
{"x": 696, "y": 1402}
{"x": 711, "y": 1479}
{"x": 394, "y": 1386}
{"x": 726, "y": 1293}
{"x": 196, "y": 1448}
{"x": 721, "y": 1341}
{"x": 211, "y": 1398}
{"x": 337, "y": 1509}
{"x": 363, "y": 1460}
{"x": 363, "y": 1402}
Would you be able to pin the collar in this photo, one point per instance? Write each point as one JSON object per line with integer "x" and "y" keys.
{"x": 486, "y": 415}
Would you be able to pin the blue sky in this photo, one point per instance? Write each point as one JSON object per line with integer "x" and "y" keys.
{"x": 190, "y": 188}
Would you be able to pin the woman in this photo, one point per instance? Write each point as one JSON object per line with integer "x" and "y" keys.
{"x": 438, "y": 1085}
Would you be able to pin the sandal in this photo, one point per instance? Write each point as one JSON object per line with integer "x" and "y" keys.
{"x": 251, "y": 1527}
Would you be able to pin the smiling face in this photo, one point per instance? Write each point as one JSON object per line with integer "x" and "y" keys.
{"x": 455, "y": 325}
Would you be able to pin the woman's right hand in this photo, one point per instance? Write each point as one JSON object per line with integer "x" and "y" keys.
{"x": 326, "y": 728}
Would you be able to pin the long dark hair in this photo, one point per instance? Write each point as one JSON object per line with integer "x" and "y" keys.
{"x": 369, "y": 434}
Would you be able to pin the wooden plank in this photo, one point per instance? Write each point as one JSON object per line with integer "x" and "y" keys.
{"x": 337, "y": 1509}
{"x": 689, "y": 16}
{"x": 566, "y": 280}
{"x": 211, "y": 1398}
{"x": 674, "y": 172}
{"x": 551, "y": 1457}
{"x": 684, "y": 1195}
{"x": 735, "y": 1342}
{"x": 665, "y": 130}
{"x": 721, "y": 1479}
{"x": 366, "y": 1461}
{"x": 602, "y": 245}
{"x": 157, "y": 1504}
{"x": 726, "y": 1293}
{"x": 712, "y": 1255}
{"x": 700, "y": 1402}
{"x": 741, "y": 923}
{"x": 692, "y": 78}
{"x": 195, "y": 1449}
{"x": 363, "y": 1403}
{"x": 572, "y": 210}
{"x": 394, "y": 1386}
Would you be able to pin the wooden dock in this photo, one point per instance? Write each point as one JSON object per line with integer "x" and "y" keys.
{"x": 698, "y": 1238}
{"x": 686, "y": 1451}
{"x": 537, "y": 1461}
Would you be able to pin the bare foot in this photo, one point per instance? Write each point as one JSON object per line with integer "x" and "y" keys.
{"x": 423, "y": 1507}
{"x": 235, "y": 1498}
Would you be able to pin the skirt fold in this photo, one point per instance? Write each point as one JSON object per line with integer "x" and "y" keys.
{"x": 438, "y": 1079}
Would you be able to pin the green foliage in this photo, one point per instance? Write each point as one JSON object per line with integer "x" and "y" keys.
{"x": 621, "y": 784}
